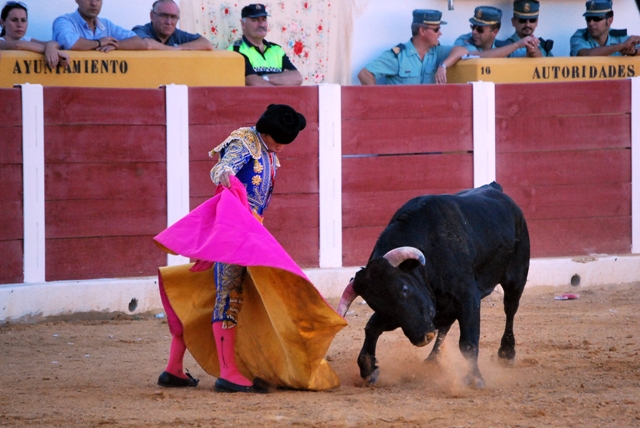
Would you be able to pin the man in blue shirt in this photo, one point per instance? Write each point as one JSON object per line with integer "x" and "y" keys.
{"x": 599, "y": 39}
{"x": 485, "y": 25}
{"x": 161, "y": 33}
{"x": 420, "y": 60}
{"x": 525, "y": 21}
{"x": 82, "y": 30}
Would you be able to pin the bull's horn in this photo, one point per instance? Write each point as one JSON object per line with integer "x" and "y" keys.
{"x": 400, "y": 254}
{"x": 348, "y": 296}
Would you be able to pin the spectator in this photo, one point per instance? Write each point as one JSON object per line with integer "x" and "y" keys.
{"x": 82, "y": 30}
{"x": 421, "y": 60}
{"x": 485, "y": 25}
{"x": 266, "y": 64}
{"x": 598, "y": 39}
{"x": 525, "y": 21}
{"x": 14, "y": 21}
{"x": 161, "y": 33}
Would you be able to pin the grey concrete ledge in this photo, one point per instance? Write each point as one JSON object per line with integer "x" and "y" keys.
{"x": 33, "y": 302}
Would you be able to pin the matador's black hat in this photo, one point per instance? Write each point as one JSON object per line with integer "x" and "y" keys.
{"x": 281, "y": 122}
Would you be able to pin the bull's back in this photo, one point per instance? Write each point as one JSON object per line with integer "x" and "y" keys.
{"x": 476, "y": 232}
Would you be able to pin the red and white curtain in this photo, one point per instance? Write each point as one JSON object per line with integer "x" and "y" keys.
{"x": 314, "y": 34}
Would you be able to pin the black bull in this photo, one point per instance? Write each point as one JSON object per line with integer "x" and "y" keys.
{"x": 434, "y": 262}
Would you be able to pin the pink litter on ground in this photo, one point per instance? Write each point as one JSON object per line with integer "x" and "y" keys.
{"x": 567, "y": 297}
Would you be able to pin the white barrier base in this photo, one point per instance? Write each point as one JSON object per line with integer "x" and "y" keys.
{"x": 32, "y": 302}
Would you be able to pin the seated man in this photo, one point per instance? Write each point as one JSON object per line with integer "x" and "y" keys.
{"x": 82, "y": 30}
{"x": 266, "y": 64}
{"x": 161, "y": 33}
{"x": 525, "y": 21}
{"x": 598, "y": 39}
{"x": 485, "y": 25}
{"x": 420, "y": 60}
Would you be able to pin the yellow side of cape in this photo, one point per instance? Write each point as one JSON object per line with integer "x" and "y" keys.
{"x": 285, "y": 327}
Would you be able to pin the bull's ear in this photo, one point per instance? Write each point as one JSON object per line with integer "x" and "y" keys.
{"x": 409, "y": 265}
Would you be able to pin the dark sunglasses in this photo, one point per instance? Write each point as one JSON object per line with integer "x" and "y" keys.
{"x": 435, "y": 30}
{"x": 594, "y": 18}
{"x": 524, "y": 21}
{"x": 477, "y": 28}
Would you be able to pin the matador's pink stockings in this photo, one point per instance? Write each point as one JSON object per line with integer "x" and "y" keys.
{"x": 225, "y": 343}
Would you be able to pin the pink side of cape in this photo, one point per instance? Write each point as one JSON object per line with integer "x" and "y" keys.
{"x": 223, "y": 229}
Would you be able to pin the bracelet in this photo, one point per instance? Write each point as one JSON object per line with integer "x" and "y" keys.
{"x": 443, "y": 65}
{"x": 99, "y": 44}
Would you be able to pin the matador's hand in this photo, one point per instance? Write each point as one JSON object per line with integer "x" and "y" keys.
{"x": 224, "y": 179}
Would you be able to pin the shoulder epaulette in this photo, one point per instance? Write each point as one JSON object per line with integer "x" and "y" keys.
{"x": 618, "y": 33}
{"x": 501, "y": 43}
{"x": 236, "y": 45}
{"x": 247, "y": 137}
{"x": 396, "y": 51}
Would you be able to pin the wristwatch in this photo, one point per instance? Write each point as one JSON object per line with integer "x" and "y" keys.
{"x": 265, "y": 77}
{"x": 443, "y": 65}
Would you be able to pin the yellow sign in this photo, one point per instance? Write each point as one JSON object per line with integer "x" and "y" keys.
{"x": 537, "y": 70}
{"x": 125, "y": 69}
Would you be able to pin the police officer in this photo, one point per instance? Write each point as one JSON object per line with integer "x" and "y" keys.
{"x": 421, "y": 60}
{"x": 525, "y": 21}
{"x": 599, "y": 39}
{"x": 266, "y": 64}
{"x": 485, "y": 25}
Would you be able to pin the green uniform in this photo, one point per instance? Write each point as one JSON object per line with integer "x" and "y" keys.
{"x": 273, "y": 60}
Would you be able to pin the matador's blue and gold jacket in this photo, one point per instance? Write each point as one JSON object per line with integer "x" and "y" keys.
{"x": 245, "y": 154}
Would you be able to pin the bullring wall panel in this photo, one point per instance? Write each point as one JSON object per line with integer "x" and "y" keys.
{"x": 293, "y": 214}
{"x": 563, "y": 154}
{"x": 11, "y": 214}
{"x": 105, "y": 182}
{"x": 394, "y": 150}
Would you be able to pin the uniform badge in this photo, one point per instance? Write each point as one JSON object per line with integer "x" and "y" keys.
{"x": 592, "y": 5}
{"x": 479, "y": 14}
{"x": 258, "y": 7}
{"x": 527, "y": 7}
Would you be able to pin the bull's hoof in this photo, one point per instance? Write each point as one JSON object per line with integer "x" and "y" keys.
{"x": 507, "y": 353}
{"x": 475, "y": 382}
{"x": 372, "y": 378}
{"x": 368, "y": 368}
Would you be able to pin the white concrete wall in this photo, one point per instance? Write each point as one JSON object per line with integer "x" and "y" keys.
{"x": 383, "y": 24}
{"x": 32, "y": 302}
{"x": 378, "y": 24}
{"x": 125, "y": 13}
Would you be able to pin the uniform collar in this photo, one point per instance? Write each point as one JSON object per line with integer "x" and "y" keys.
{"x": 267, "y": 45}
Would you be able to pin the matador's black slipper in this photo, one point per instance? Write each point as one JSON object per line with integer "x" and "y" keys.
{"x": 259, "y": 386}
{"x": 171, "y": 381}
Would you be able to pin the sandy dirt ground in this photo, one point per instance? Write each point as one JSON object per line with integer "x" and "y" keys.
{"x": 578, "y": 365}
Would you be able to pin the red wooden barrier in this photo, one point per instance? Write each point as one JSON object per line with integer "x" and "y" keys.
{"x": 563, "y": 153}
{"x": 399, "y": 142}
{"x": 293, "y": 213}
{"x": 105, "y": 182}
{"x": 11, "y": 214}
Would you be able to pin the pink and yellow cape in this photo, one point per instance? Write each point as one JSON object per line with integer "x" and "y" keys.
{"x": 285, "y": 326}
